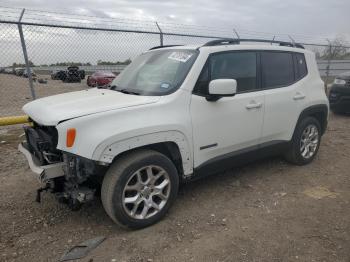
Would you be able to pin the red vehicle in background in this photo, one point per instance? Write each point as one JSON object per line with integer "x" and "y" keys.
{"x": 100, "y": 78}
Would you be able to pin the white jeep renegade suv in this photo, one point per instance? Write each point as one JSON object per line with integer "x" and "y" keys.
{"x": 176, "y": 113}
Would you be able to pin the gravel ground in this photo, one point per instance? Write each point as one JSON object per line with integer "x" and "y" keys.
{"x": 267, "y": 211}
{"x": 15, "y": 92}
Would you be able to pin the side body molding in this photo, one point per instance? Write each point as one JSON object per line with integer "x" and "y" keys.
{"x": 107, "y": 151}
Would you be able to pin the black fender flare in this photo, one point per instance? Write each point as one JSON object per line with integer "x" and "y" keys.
{"x": 320, "y": 111}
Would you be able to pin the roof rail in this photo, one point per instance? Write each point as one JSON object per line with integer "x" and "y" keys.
{"x": 236, "y": 41}
{"x": 224, "y": 41}
{"x": 163, "y": 46}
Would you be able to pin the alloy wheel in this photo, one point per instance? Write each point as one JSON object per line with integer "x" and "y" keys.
{"x": 146, "y": 192}
{"x": 309, "y": 141}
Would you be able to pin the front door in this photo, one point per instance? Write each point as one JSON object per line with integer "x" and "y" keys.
{"x": 231, "y": 124}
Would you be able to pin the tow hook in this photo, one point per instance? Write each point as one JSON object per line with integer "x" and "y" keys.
{"x": 39, "y": 191}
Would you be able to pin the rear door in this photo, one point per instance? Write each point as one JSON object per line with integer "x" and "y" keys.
{"x": 284, "y": 94}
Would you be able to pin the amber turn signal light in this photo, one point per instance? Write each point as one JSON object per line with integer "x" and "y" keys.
{"x": 71, "y": 132}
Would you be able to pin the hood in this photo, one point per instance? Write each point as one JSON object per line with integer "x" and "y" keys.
{"x": 51, "y": 110}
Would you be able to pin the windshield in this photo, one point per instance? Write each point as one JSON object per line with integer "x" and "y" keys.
{"x": 159, "y": 72}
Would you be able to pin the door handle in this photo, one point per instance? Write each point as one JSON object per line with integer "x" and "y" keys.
{"x": 253, "y": 105}
{"x": 299, "y": 96}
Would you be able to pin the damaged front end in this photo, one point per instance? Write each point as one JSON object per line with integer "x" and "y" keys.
{"x": 73, "y": 179}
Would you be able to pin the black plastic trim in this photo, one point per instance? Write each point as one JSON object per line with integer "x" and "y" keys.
{"x": 208, "y": 146}
{"x": 240, "y": 157}
{"x": 320, "y": 108}
{"x": 163, "y": 46}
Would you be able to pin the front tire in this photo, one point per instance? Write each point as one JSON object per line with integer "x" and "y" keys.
{"x": 305, "y": 142}
{"x": 139, "y": 188}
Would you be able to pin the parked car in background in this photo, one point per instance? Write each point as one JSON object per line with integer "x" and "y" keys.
{"x": 58, "y": 74}
{"x": 339, "y": 94}
{"x": 73, "y": 75}
{"x": 100, "y": 78}
{"x": 8, "y": 70}
{"x": 26, "y": 74}
{"x": 19, "y": 71}
{"x": 82, "y": 74}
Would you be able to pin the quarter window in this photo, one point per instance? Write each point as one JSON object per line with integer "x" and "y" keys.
{"x": 300, "y": 65}
{"x": 277, "y": 69}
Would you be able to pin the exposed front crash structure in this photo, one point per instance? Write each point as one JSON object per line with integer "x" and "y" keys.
{"x": 73, "y": 179}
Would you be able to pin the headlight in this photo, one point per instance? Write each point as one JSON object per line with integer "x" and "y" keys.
{"x": 338, "y": 81}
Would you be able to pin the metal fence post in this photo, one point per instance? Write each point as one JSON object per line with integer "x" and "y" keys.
{"x": 236, "y": 33}
{"x": 25, "y": 54}
{"x": 328, "y": 63}
{"x": 160, "y": 34}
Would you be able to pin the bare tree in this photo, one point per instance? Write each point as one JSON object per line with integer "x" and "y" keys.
{"x": 337, "y": 48}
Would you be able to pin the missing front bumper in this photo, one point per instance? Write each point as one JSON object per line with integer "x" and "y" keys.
{"x": 42, "y": 173}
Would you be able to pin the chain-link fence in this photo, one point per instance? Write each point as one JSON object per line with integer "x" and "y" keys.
{"x": 36, "y": 49}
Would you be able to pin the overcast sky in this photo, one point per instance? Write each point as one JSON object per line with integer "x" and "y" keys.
{"x": 307, "y": 21}
{"x": 314, "y": 18}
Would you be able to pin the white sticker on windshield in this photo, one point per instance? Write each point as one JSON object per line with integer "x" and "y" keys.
{"x": 165, "y": 85}
{"x": 180, "y": 56}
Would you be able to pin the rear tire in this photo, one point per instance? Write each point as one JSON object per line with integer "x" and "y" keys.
{"x": 139, "y": 188}
{"x": 305, "y": 142}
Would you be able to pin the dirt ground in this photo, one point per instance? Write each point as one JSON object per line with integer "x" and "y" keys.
{"x": 15, "y": 92}
{"x": 267, "y": 211}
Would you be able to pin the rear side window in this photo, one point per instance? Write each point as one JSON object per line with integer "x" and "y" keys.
{"x": 277, "y": 69}
{"x": 300, "y": 66}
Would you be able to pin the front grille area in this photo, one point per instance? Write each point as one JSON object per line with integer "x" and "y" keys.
{"x": 42, "y": 142}
{"x": 333, "y": 96}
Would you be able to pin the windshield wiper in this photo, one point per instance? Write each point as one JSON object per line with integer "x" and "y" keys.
{"x": 125, "y": 91}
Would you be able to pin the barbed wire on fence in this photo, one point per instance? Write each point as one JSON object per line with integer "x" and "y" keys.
{"x": 56, "y": 18}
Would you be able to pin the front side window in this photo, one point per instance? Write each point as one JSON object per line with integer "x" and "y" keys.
{"x": 157, "y": 72}
{"x": 277, "y": 69}
{"x": 240, "y": 66}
